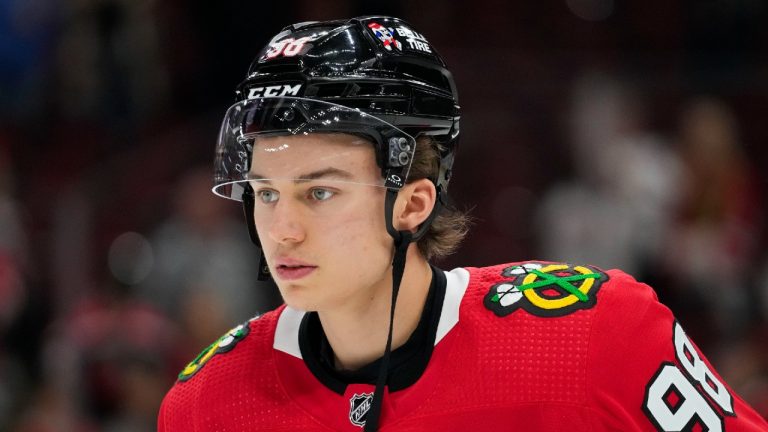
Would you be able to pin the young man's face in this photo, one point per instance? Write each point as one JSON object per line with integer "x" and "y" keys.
{"x": 319, "y": 213}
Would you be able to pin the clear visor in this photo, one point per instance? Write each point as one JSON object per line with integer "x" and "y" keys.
{"x": 298, "y": 140}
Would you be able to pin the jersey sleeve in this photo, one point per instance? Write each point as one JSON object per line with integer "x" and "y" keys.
{"x": 175, "y": 413}
{"x": 645, "y": 373}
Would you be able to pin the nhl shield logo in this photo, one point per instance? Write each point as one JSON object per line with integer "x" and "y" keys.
{"x": 359, "y": 405}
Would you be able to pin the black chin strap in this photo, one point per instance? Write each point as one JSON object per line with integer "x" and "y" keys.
{"x": 398, "y": 267}
{"x": 402, "y": 240}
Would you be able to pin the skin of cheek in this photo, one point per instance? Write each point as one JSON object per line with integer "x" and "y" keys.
{"x": 357, "y": 252}
{"x": 353, "y": 252}
{"x": 366, "y": 248}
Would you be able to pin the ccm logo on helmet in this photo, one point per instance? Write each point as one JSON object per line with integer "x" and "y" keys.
{"x": 274, "y": 91}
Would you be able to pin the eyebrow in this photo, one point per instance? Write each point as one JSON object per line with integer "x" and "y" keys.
{"x": 314, "y": 175}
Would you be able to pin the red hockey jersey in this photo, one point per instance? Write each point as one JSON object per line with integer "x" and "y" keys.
{"x": 520, "y": 347}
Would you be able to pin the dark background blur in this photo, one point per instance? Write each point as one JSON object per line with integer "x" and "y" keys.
{"x": 623, "y": 134}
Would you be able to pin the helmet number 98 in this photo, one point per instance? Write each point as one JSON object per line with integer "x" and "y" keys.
{"x": 288, "y": 47}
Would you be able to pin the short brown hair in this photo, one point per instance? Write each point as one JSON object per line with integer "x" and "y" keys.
{"x": 451, "y": 225}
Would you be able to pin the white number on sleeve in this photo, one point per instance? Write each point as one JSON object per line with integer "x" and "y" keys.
{"x": 674, "y": 402}
{"x": 698, "y": 370}
{"x": 691, "y": 403}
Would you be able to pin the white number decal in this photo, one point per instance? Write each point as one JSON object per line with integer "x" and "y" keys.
{"x": 288, "y": 47}
{"x": 295, "y": 47}
{"x": 698, "y": 370}
{"x": 276, "y": 49}
{"x": 692, "y": 406}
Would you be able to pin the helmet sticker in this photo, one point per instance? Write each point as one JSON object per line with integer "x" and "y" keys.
{"x": 547, "y": 290}
{"x": 394, "y": 181}
{"x": 415, "y": 40}
{"x": 274, "y": 91}
{"x": 290, "y": 47}
{"x": 386, "y": 35}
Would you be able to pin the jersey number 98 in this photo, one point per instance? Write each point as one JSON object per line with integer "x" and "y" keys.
{"x": 676, "y": 397}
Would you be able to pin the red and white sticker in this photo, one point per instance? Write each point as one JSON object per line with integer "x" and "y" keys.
{"x": 413, "y": 40}
{"x": 385, "y": 36}
{"x": 290, "y": 47}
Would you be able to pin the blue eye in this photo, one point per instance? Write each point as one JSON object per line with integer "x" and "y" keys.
{"x": 321, "y": 194}
{"x": 268, "y": 196}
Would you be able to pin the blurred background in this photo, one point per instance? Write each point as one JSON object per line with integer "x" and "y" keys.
{"x": 623, "y": 134}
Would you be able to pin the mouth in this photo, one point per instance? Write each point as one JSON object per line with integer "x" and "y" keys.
{"x": 292, "y": 269}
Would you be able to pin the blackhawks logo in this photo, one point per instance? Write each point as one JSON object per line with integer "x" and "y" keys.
{"x": 222, "y": 345}
{"x": 549, "y": 290}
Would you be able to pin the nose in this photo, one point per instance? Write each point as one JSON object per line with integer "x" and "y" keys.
{"x": 286, "y": 224}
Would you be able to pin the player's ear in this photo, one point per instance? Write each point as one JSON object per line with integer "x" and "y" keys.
{"x": 415, "y": 202}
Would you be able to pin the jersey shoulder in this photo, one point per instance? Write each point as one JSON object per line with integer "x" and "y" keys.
{"x": 250, "y": 330}
{"x": 551, "y": 289}
{"x": 628, "y": 359}
{"x": 216, "y": 374}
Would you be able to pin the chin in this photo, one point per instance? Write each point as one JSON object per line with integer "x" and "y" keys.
{"x": 297, "y": 297}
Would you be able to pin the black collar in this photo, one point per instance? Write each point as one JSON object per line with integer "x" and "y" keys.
{"x": 407, "y": 363}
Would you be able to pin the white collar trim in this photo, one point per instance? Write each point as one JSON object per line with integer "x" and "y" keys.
{"x": 287, "y": 331}
{"x": 457, "y": 280}
{"x": 456, "y": 284}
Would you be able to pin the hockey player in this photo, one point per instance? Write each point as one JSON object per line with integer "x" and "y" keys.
{"x": 340, "y": 148}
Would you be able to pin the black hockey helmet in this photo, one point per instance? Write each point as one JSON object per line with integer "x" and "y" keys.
{"x": 376, "y": 66}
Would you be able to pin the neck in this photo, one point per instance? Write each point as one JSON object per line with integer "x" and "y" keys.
{"x": 358, "y": 333}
